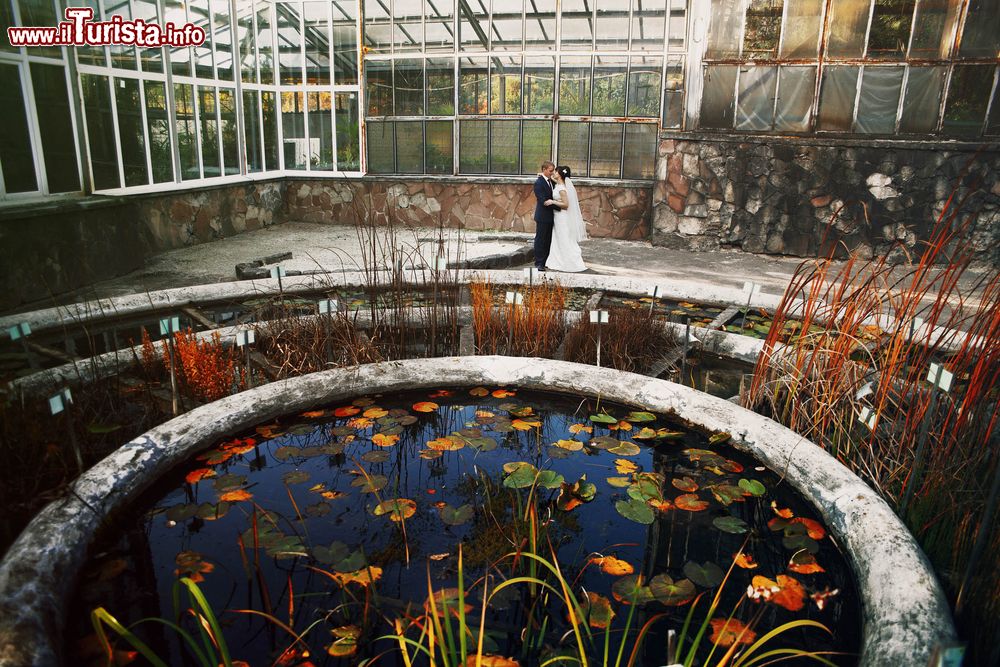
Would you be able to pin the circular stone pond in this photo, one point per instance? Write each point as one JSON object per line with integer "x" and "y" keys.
{"x": 354, "y": 504}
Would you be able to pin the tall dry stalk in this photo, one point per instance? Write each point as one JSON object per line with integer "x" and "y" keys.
{"x": 633, "y": 340}
{"x": 532, "y": 328}
{"x": 933, "y": 455}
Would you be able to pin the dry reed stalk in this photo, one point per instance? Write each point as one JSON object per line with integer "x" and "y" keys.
{"x": 533, "y": 328}
{"x": 206, "y": 367}
{"x": 632, "y": 340}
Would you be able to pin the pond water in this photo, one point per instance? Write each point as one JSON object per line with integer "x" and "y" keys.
{"x": 337, "y": 522}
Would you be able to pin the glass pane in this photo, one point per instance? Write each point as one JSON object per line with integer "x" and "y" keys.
{"x": 152, "y": 59}
{"x": 890, "y": 31}
{"x": 673, "y": 97}
{"x": 208, "y": 125}
{"x": 244, "y": 38}
{"x": 320, "y": 131}
{"x": 472, "y": 146}
{"x": 269, "y": 113}
{"x": 968, "y": 96}
{"x": 505, "y": 85}
{"x": 537, "y": 145}
{"x": 755, "y": 110}
{"x": 763, "y": 28}
{"x": 605, "y": 150}
{"x": 473, "y": 86}
{"x": 406, "y": 36}
{"x": 7, "y": 21}
{"x": 724, "y": 29}
{"x": 539, "y": 85}
{"x": 410, "y": 147}
{"x": 316, "y": 29}
{"x": 227, "y": 118}
{"x": 640, "y": 151}
{"x": 473, "y": 25}
{"x": 933, "y": 28}
{"x": 265, "y": 46}
{"x": 836, "y": 98}
{"x": 42, "y": 13}
{"x": 644, "y": 87}
{"x": 15, "y": 142}
{"x": 411, "y": 11}
{"x": 507, "y": 26}
{"x": 222, "y": 38}
{"x": 381, "y": 147}
{"x": 440, "y": 86}
{"x": 574, "y": 86}
{"x": 100, "y": 132}
{"x": 180, "y": 57}
{"x": 377, "y": 27}
{"x": 612, "y": 25}
{"x": 577, "y": 24}
{"x": 922, "y": 100}
{"x": 378, "y": 81}
{"x": 345, "y": 42}
{"x": 438, "y": 149}
{"x": 505, "y": 146}
{"x": 409, "y": 86}
{"x": 198, "y": 14}
{"x": 346, "y": 116}
{"x": 293, "y": 127}
{"x": 158, "y": 130}
{"x": 121, "y": 56}
{"x": 982, "y": 25}
{"x": 848, "y": 23}
{"x": 879, "y": 99}
{"x": 251, "y": 125}
{"x": 289, "y": 42}
{"x": 718, "y": 97}
{"x": 574, "y": 146}
{"x": 130, "y": 131}
{"x": 609, "y": 85}
{"x": 795, "y": 98}
{"x": 677, "y": 25}
{"x": 649, "y": 17}
{"x": 993, "y": 124}
{"x": 56, "y": 125}
{"x": 187, "y": 145}
{"x": 438, "y": 36}
{"x": 802, "y": 24}
{"x": 539, "y": 24}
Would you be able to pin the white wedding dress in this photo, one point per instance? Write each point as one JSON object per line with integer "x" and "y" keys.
{"x": 567, "y": 232}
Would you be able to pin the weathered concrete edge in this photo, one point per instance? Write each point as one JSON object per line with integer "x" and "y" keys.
{"x": 905, "y": 611}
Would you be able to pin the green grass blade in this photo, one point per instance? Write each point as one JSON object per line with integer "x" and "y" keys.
{"x": 100, "y": 617}
{"x": 785, "y": 627}
{"x": 199, "y": 598}
{"x": 788, "y": 654}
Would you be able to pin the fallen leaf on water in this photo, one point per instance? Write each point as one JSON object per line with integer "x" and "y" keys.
{"x": 726, "y": 632}
{"x": 625, "y": 467}
{"x": 525, "y": 424}
{"x": 235, "y": 496}
{"x": 613, "y": 566}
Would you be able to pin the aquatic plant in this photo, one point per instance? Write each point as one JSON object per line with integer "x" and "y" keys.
{"x": 633, "y": 339}
{"x": 530, "y": 324}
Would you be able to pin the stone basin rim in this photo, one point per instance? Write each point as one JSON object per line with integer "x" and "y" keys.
{"x": 904, "y": 611}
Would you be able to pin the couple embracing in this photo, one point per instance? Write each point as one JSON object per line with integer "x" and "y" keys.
{"x": 559, "y": 225}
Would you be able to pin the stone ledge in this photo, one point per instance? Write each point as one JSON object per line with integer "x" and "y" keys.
{"x": 905, "y": 611}
{"x": 850, "y": 140}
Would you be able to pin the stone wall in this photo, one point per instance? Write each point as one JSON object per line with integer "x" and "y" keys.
{"x": 614, "y": 211}
{"x": 802, "y": 197}
{"x": 54, "y": 247}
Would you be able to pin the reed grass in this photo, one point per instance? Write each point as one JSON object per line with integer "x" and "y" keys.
{"x": 632, "y": 340}
{"x": 532, "y": 328}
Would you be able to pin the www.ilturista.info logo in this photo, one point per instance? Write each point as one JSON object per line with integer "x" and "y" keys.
{"x": 79, "y": 30}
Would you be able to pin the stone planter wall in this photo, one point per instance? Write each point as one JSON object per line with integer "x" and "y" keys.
{"x": 802, "y": 197}
{"x": 54, "y": 247}
{"x": 611, "y": 211}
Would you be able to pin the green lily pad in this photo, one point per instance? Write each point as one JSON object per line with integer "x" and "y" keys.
{"x": 456, "y": 516}
{"x": 727, "y": 494}
{"x": 628, "y": 590}
{"x": 619, "y": 482}
{"x": 549, "y": 479}
{"x": 295, "y": 477}
{"x": 671, "y": 593}
{"x": 635, "y": 510}
{"x": 302, "y": 429}
{"x": 625, "y": 448}
{"x": 182, "y": 512}
{"x": 318, "y": 509}
{"x": 753, "y": 487}
{"x": 554, "y": 452}
{"x": 284, "y": 453}
{"x": 370, "y": 483}
{"x": 603, "y": 442}
{"x": 730, "y": 524}
{"x": 706, "y": 574}
{"x": 520, "y": 474}
{"x": 799, "y": 542}
{"x": 375, "y": 456}
{"x": 210, "y": 511}
{"x": 603, "y": 419}
{"x": 229, "y": 481}
{"x": 639, "y": 417}
{"x": 646, "y": 487}
{"x": 396, "y": 509}
{"x": 719, "y": 438}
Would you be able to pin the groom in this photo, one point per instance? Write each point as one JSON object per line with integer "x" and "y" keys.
{"x": 543, "y": 214}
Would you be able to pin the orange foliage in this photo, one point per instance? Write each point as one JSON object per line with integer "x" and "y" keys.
{"x": 207, "y": 367}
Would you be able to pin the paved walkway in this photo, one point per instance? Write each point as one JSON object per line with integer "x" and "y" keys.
{"x": 343, "y": 248}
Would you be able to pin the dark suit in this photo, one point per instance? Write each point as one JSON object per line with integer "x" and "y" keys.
{"x": 543, "y": 221}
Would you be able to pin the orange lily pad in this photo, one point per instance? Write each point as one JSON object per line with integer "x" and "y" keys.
{"x": 235, "y": 495}
{"x": 726, "y": 632}
{"x": 346, "y": 411}
{"x": 690, "y": 502}
{"x": 425, "y": 406}
{"x": 613, "y": 566}
{"x": 383, "y": 440}
{"x": 199, "y": 474}
{"x": 503, "y": 393}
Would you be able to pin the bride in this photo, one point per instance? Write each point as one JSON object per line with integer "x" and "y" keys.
{"x": 569, "y": 228}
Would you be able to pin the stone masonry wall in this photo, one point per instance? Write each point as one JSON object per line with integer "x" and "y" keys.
{"x": 51, "y": 248}
{"x": 800, "y": 197}
{"x": 613, "y": 211}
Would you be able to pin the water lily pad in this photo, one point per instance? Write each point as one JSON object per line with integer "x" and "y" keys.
{"x": 235, "y": 496}
{"x": 706, "y": 574}
{"x": 550, "y": 479}
{"x": 619, "y": 482}
{"x": 318, "y": 509}
{"x": 597, "y": 610}
{"x": 753, "y": 487}
{"x": 726, "y": 632}
{"x": 295, "y": 477}
{"x": 347, "y": 411}
{"x": 719, "y": 438}
{"x": 645, "y": 433}
{"x": 525, "y": 424}
{"x": 211, "y": 512}
{"x": 616, "y": 567}
{"x": 685, "y": 484}
{"x": 554, "y": 452}
{"x": 446, "y": 444}
{"x": 645, "y": 487}
{"x": 375, "y": 456}
{"x": 302, "y": 429}
{"x": 727, "y": 494}
{"x": 425, "y": 406}
{"x": 479, "y": 392}
{"x": 603, "y": 442}
{"x": 285, "y": 452}
{"x": 803, "y": 562}
{"x": 370, "y": 483}
{"x": 456, "y": 516}
{"x": 731, "y": 524}
{"x": 384, "y": 440}
{"x": 569, "y": 445}
{"x": 625, "y": 467}
{"x": 397, "y": 509}
{"x": 520, "y": 475}
{"x": 573, "y": 495}
{"x": 635, "y": 510}
{"x": 667, "y": 434}
{"x": 625, "y": 448}
{"x": 346, "y": 642}
{"x": 229, "y": 481}
{"x": 690, "y": 502}
{"x": 639, "y": 417}
{"x": 375, "y": 412}
{"x": 603, "y": 419}
{"x": 629, "y": 590}
{"x": 181, "y": 512}
{"x": 671, "y": 593}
